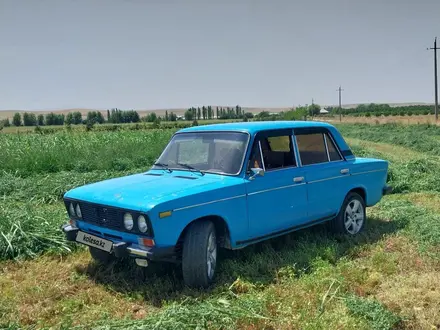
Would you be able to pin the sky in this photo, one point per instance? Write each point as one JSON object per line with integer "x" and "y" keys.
{"x": 148, "y": 54}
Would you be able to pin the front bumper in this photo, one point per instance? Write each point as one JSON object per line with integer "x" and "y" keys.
{"x": 387, "y": 190}
{"x": 124, "y": 249}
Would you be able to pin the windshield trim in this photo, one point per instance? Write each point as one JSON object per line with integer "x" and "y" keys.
{"x": 213, "y": 131}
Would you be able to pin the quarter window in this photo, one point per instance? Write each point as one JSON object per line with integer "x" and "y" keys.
{"x": 255, "y": 161}
{"x": 332, "y": 151}
{"x": 312, "y": 149}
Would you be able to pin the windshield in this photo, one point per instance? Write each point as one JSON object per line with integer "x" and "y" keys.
{"x": 214, "y": 152}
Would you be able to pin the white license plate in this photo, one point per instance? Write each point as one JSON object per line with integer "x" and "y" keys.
{"x": 94, "y": 241}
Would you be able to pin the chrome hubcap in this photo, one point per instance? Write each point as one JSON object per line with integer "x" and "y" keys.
{"x": 211, "y": 254}
{"x": 354, "y": 216}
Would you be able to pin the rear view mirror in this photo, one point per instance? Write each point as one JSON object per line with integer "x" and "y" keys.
{"x": 256, "y": 172}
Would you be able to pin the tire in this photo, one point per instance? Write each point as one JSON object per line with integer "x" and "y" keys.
{"x": 199, "y": 256}
{"x": 101, "y": 257}
{"x": 351, "y": 217}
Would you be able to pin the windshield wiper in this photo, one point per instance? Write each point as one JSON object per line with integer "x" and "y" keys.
{"x": 164, "y": 166}
{"x": 191, "y": 168}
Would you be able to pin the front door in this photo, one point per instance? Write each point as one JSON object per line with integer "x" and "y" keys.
{"x": 276, "y": 201}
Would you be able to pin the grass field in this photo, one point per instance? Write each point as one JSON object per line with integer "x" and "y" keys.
{"x": 385, "y": 278}
{"x": 406, "y": 120}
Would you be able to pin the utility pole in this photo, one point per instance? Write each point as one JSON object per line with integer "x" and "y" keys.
{"x": 340, "y": 106}
{"x": 435, "y": 77}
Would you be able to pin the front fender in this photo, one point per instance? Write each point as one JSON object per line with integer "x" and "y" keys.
{"x": 233, "y": 210}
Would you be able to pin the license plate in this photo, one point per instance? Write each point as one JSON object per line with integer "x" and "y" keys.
{"x": 94, "y": 241}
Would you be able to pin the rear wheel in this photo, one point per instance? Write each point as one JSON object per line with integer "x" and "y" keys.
{"x": 352, "y": 215}
{"x": 199, "y": 257}
{"x": 100, "y": 256}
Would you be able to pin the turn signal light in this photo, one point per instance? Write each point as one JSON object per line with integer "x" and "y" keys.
{"x": 146, "y": 242}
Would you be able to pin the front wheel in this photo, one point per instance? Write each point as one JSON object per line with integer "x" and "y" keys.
{"x": 199, "y": 257}
{"x": 352, "y": 216}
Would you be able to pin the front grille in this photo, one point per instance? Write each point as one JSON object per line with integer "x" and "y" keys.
{"x": 109, "y": 217}
{"x": 102, "y": 216}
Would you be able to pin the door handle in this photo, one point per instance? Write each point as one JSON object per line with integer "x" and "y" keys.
{"x": 298, "y": 179}
{"x": 345, "y": 171}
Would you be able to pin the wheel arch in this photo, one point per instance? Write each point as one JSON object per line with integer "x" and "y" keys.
{"x": 361, "y": 191}
{"x": 221, "y": 229}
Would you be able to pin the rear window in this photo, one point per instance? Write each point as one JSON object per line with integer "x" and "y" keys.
{"x": 311, "y": 148}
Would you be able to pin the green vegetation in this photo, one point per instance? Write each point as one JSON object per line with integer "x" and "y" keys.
{"x": 377, "y": 110}
{"x": 27, "y": 154}
{"x": 386, "y": 278}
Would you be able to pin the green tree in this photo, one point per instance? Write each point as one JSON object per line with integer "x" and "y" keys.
{"x": 199, "y": 115}
{"x": 173, "y": 116}
{"x": 189, "y": 115}
{"x": 50, "y": 119}
{"x": 29, "y": 119}
{"x": 69, "y": 119}
{"x": 300, "y": 113}
{"x": 237, "y": 111}
{"x": 6, "y": 122}
{"x": 314, "y": 110}
{"x": 77, "y": 117}
{"x": 166, "y": 115}
{"x": 151, "y": 117}
{"x": 94, "y": 117}
{"x": 108, "y": 115}
{"x": 54, "y": 119}
{"x": 40, "y": 119}
{"x": 16, "y": 120}
{"x": 263, "y": 114}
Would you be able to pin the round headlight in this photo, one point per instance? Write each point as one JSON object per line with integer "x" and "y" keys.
{"x": 142, "y": 224}
{"x": 78, "y": 211}
{"x": 128, "y": 221}
{"x": 72, "y": 210}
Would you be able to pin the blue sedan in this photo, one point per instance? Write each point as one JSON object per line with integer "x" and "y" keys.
{"x": 226, "y": 186}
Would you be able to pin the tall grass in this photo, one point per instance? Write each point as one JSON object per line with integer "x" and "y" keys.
{"x": 27, "y": 154}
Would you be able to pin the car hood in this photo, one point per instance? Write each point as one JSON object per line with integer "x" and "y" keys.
{"x": 143, "y": 191}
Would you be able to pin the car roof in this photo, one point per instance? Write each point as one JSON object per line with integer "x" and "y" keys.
{"x": 253, "y": 127}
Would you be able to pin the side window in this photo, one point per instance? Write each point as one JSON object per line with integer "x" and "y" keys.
{"x": 280, "y": 143}
{"x": 255, "y": 160}
{"x": 311, "y": 148}
{"x": 332, "y": 151}
{"x": 278, "y": 152}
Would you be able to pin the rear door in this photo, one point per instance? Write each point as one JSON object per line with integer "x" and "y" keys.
{"x": 277, "y": 201}
{"x": 326, "y": 171}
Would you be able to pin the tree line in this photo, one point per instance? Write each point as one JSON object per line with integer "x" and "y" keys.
{"x": 118, "y": 116}
{"x": 373, "y": 109}
{"x": 73, "y": 118}
{"x": 207, "y": 112}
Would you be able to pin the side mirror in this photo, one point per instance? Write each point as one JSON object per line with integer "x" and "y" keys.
{"x": 255, "y": 172}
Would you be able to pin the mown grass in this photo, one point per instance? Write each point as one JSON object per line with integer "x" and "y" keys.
{"x": 385, "y": 278}
{"x": 422, "y": 138}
